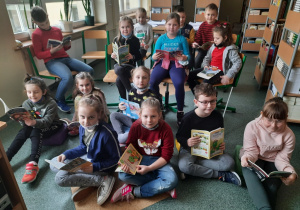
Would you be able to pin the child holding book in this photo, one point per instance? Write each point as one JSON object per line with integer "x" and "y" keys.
{"x": 204, "y": 34}
{"x": 126, "y": 37}
{"x": 204, "y": 117}
{"x": 98, "y": 145}
{"x": 163, "y": 68}
{"x": 57, "y": 61}
{"x": 269, "y": 143}
{"x": 153, "y": 139}
{"x": 223, "y": 55}
{"x": 139, "y": 93}
{"x": 43, "y": 126}
{"x": 143, "y": 31}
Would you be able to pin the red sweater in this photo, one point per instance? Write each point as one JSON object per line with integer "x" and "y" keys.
{"x": 204, "y": 33}
{"x": 158, "y": 142}
{"x": 40, "y": 39}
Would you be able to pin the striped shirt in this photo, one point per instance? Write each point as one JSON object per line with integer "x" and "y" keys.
{"x": 204, "y": 33}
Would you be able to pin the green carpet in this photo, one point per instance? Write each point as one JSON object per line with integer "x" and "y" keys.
{"x": 193, "y": 193}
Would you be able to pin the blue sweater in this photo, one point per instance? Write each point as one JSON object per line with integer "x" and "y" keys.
{"x": 104, "y": 150}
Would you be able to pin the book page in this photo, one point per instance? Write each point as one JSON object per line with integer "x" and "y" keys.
{"x": 216, "y": 139}
{"x": 116, "y": 51}
{"x": 53, "y": 42}
{"x": 208, "y": 73}
{"x": 201, "y": 149}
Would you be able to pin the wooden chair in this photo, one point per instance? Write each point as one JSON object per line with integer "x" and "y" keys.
{"x": 45, "y": 73}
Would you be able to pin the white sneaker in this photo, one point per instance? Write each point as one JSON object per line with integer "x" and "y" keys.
{"x": 105, "y": 189}
{"x": 82, "y": 193}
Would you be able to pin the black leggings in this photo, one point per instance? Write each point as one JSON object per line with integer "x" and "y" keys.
{"x": 123, "y": 79}
{"x": 36, "y": 135}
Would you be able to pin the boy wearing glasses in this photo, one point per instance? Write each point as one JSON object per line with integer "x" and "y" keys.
{"x": 204, "y": 117}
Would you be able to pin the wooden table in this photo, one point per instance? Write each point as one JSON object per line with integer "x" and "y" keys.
{"x": 161, "y": 29}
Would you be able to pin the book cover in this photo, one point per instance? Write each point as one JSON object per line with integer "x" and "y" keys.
{"x": 74, "y": 165}
{"x": 170, "y": 55}
{"x": 121, "y": 53}
{"x": 55, "y": 42}
{"x": 132, "y": 108}
{"x": 70, "y": 124}
{"x": 208, "y": 73}
{"x": 132, "y": 158}
{"x": 262, "y": 175}
{"x": 210, "y": 143}
{"x": 20, "y": 113}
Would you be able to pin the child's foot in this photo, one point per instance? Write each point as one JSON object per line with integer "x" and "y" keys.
{"x": 230, "y": 177}
{"x": 173, "y": 193}
{"x": 63, "y": 106}
{"x": 124, "y": 192}
{"x": 105, "y": 189}
{"x": 31, "y": 170}
{"x": 81, "y": 193}
{"x": 180, "y": 115}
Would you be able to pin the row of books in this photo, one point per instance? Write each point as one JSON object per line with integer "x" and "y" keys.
{"x": 258, "y": 12}
{"x": 257, "y": 27}
{"x": 277, "y": 31}
{"x": 254, "y": 40}
{"x": 291, "y": 38}
{"x": 159, "y": 10}
{"x": 282, "y": 67}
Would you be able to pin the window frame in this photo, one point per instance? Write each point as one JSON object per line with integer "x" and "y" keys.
{"x": 126, "y": 12}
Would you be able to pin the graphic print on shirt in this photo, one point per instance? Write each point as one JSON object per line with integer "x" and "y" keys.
{"x": 150, "y": 148}
{"x": 170, "y": 46}
{"x": 141, "y": 35}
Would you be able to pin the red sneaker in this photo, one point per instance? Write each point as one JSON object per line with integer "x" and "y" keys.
{"x": 30, "y": 173}
{"x": 173, "y": 193}
{"x": 124, "y": 192}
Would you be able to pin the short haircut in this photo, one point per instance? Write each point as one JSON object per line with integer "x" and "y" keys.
{"x": 275, "y": 108}
{"x": 180, "y": 9}
{"x": 212, "y": 6}
{"x": 175, "y": 16}
{"x": 38, "y": 14}
{"x": 141, "y": 10}
{"x": 205, "y": 89}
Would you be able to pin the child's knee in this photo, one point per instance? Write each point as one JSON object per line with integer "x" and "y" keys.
{"x": 226, "y": 163}
{"x": 60, "y": 178}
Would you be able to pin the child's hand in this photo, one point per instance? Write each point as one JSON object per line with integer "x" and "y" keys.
{"x": 222, "y": 146}
{"x": 121, "y": 106}
{"x": 195, "y": 45}
{"x": 87, "y": 169}
{"x": 68, "y": 44}
{"x": 157, "y": 56}
{"x": 129, "y": 56}
{"x": 141, "y": 169}
{"x": 181, "y": 57}
{"x": 125, "y": 168}
{"x": 113, "y": 56}
{"x": 289, "y": 180}
{"x": 225, "y": 80}
{"x": 29, "y": 122}
{"x": 61, "y": 158}
{"x": 193, "y": 141}
{"x": 146, "y": 47}
{"x": 55, "y": 49}
{"x": 244, "y": 161}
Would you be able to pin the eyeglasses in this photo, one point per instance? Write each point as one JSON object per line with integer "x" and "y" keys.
{"x": 205, "y": 103}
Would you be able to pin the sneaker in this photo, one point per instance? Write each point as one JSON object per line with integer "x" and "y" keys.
{"x": 105, "y": 189}
{"x": 173, "y": 193}
{"x": 74, "y": 132}
{"x": 63, "y": 106}
{"x": 82, "y": 193}
{"x": 124, "y": 192}
{"x": 230, "y": 177}
{"x": 179, "y": 118}
{"x": 31, "y": 171}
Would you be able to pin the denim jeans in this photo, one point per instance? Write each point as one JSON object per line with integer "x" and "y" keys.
{"x": 62, "y": 67}
{"x": 155, "y": 182}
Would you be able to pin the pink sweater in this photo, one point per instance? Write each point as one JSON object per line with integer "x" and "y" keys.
{"x": 259, "y": 143}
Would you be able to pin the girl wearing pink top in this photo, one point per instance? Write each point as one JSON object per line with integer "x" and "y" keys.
{"x": 269, "y": 143}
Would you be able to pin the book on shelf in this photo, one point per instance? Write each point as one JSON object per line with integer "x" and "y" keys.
{"x": 166, "y": 10}
{"x": 132, "y": 108}
{"x": 254, "y": 12}
{"x": 55, "y": 43}
{"x": 169, "y": 55}
{"x": 131, "y": 158}
{"x": 156, "y": 10}
{"x": 121, "y": 53}
{"x": 208, "y": 73}
{"x": 72, "y": 166}
{"x": 200, "y": 11}
{"x": 262, "y": 175}
{"x": 209, "y": 145}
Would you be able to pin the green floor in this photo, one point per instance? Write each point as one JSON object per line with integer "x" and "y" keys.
{"x": 193, "y": 193}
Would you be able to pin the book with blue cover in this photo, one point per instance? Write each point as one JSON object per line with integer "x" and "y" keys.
{"x": 132, "y": 109}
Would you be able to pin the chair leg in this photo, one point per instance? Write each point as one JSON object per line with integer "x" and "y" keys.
{"x": 233, "y": 109}
{"x": 167, "y": 105}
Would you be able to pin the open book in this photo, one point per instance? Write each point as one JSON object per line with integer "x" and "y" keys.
{"x": 55, "y": 42}
{"x": 205, "y": 46}
{"x": 74, "y": 165}
{"x": 121, "y": 53}
{"x": 210, "y": 143}
{"x": 20, "y": 113}
{"x": 208, "y": 73}
{"x": 131, "y": 157}
{"x": 70, "y": 124}
{"x": 170, "y": 55}
{"x": 262, "y": 175}
{"x": 132, "y": 109}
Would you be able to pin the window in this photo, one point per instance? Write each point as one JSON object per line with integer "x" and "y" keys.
{"x": 18, "y": 21}
{"x": 128, "y": 6}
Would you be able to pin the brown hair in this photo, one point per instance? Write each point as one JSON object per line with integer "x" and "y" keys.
{"x": 275, "y": 108}
{"x": 141, "y": 10}
{"x": 143, "y": 68}
{"x": 129, "y": 20}
{"x": 30, "y": 80}
{"x": 151, "y": 102}
{"x": 224, "y": 29}
{"x": 175, "y": 16}
{"x": 205, "y": 89}
{"x": 38, "y": 14}
{"x": 212, "y": 6}
{"x": 79, "y": 76}
{"x": 180, "y": 10}
{"x": 94, "y": 101}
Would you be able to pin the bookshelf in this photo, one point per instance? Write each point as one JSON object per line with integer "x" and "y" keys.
{"x": 270, "y": 41}
{"x": 200, "y": 8}
{"x": 255, "y": 20}
{"x": 284, "y": 82}
{"x": 160, "y": 9}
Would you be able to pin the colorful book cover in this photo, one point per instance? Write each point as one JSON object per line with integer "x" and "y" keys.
{"x": 132, "y": 108}
{"x": 170, "y": 55}
{"x": 208, "y": 73}
{"x": 121, "y": 53}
